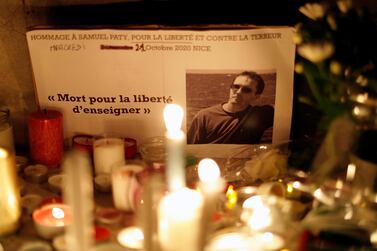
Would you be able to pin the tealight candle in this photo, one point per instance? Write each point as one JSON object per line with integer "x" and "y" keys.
{"x": 173, "y": 116}
{"x": 55, "y": 183}
{"x": 108, "y": 216}
{"x": 21, "y": 162}
{"x": 51, "y": 219}
{"x": 108, "y": 154}
{"x": 179, "y": 215}
{"x": 131, "y": 237}
{"x": 36, "y": 173}
{"x": 30, "y": 202}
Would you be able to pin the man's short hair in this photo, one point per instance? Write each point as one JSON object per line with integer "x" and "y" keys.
{"x": 255, "y": 77}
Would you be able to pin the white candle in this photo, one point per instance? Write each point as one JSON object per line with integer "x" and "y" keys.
{"x": 124, "y": 186}
{"x": 108, "y": 154}
{"x": 211, "y": 185}
{"x": 10, "y": 206}
{"x": 78, "y": 193}
{"x": 179, "y": 215}
{"x": 175, "y": 173}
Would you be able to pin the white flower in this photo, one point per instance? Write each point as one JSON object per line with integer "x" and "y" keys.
{"x": 316, "y": 51}
{"x": 313, "y": 10}
{"x": 267, "y": 166}
{"x": 344, "y": 5}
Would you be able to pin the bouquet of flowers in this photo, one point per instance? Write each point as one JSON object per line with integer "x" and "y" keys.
{"x": 336, "y": 43}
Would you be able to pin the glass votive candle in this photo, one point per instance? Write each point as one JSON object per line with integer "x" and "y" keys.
{"x": 153, "y": 150}
{"x": 51, "y": 219}
{"x": 125, "y": 187}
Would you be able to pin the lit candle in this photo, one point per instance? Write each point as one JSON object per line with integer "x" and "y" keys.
{"x": 179, "y": 215}
{"x": 10, "y": 205}
{"x": 108, "y": 154}
{"x": 175, "y": 173}
{"x": 231, "y": 197}
{"x": 211, "y": 185}
{"x": 46, "y": 137}
{"x": 50, "y": 220}
{"x": 124, "y": 186}
{"x": 131, "y": 237}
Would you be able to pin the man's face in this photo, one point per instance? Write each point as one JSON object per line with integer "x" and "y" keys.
{"x": 242, "y": 91}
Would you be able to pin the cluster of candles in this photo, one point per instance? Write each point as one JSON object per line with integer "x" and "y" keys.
{"x": 182, "y": 213}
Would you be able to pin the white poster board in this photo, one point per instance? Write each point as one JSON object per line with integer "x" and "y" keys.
{"x": 117, "y": 82}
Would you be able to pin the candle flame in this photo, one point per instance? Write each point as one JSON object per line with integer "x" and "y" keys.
{"x": 3, "y": 153}
{"x": 351, "y": 171}
{"x": 173, "y": 117}
{"x": 290, "y": 188}
{"x": 208, "y": 170}
{"x": 231, "y": 197}
{"x": 57, "y": 213}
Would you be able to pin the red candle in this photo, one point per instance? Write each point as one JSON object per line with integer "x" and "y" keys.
{"x": 83, "y": 143}
{"x": 130, "y": 148}
{"x": 46, "y": 137}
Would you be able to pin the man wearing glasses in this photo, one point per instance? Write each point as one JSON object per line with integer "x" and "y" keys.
{"x": 235, "y": 121}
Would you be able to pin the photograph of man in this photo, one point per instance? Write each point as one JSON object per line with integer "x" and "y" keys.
{"x": 236, "y": 121}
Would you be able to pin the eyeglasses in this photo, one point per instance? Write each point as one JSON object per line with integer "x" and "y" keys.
{"x": 244, "y": 89}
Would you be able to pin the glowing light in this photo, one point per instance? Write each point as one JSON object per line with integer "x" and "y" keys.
{"x": 351, "y": 171}
{"x": 232, "y": 197}
{"x": 290, "y": 188}
{"x": 208, "y": 170}
{"x": 3, "y": 153}
{"x": 256, "y": 214}
{"x": 57, "y": 213}
{"x": 173, "y": 117}
{"x": 131, "y": 237}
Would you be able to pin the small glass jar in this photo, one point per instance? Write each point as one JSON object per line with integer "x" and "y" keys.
{"x": 6, "y": 129}
{"x": 153, "y": 150}
{"x": 364, "y": 152}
